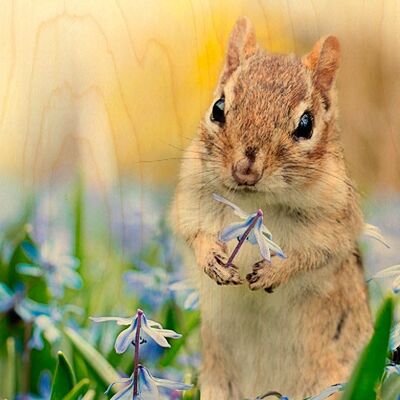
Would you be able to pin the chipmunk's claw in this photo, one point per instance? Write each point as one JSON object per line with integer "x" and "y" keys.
{"x": 217, "y": 269}
{"x": 263, "y": 277}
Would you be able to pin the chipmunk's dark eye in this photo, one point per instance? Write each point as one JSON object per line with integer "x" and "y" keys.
{"x": 218, "y": 111}
{"x": 305, "y": 127}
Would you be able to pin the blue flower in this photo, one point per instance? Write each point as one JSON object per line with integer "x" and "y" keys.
{"x": 374, "y": 232}
{"x": 394, "y": 341}
{"x": 393, "y": 271}
{"x": 191, "y": 294}
{"x": 393, "y": 368}
{"x": 151, "y": 328}
{"x": 259, "y": 234}
{"x": 328, "y": 392}
{"x": 147, "y": 386}
{"x": 27, "y": 309}
{"x": 43, "y": 326}
{"x": 150, "y": 284}
{"x": 52, "y": 262}
{"x": 44, "y": 388}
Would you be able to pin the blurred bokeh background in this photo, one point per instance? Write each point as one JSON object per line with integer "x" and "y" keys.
{"x": 112, "y": 91}
{"x": 112, "y": 86}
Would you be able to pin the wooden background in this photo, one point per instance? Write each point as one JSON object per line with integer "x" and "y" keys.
{"x": 113, "y": 87}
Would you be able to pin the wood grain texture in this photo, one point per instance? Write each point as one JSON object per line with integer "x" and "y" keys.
{"x": 118, "y": 87}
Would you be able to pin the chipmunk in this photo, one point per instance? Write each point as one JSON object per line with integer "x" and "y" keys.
{"x": 270, "y": 141}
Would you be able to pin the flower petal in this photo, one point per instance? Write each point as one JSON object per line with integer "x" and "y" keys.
{"x": 5, "y": 291}
{"x": 28, "y": 309}
{"x": 118, "y": 320}
{"x": 71, "y": 278}
{"x": 153, "y": 324}
{"x": 168, "y": 333}
{"x": 36, "y": 341}
{"x": 328, "y": 392}
{"x": 156, "y": 336}
{"x": 125, "y": 338}
{"x": 235, "y": 230}
{"x": 265, "y": 231}
{"x": 31, "y": 251}
{"x": 264, "y": 250}
{"x": 396, "y": 285}
{"x": 185, "y": 284}
{"x": 145, "y": 376}
{"x": 67, "y": 261}
{"x": 147, "y": 386}
{"x": 252, "y": 237}
{"x": 375, "y": 233}
{"x": 394, "y": 270}
{"x": 192, "y": 301}
{"x": 238, "y": 211}
{"x": 125, "y": 393}
{"x": 29, "y": 269}
{"x": 395, "y": 337}
{"x": 6, "y": 298}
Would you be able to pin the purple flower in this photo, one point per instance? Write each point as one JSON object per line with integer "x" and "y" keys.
{"x": 148, "y": 386}
{"x": 151, "y": 328}
{"x": 259, "y": 234}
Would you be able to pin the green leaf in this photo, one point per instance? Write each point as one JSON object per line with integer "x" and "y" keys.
{"x": 64, "y": 379}
{"x": 177, "y": 345}
{"x": 391, "y": 387}
{"x": 78, "y": 390}
{"x": 10, "y": 378}
{"x": 96, "y": 361}
{"x": 370, "y": 367}
{"x": 90, "y": 395}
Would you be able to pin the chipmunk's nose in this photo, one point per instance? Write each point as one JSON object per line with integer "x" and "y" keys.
{"x": 245, "y": 172}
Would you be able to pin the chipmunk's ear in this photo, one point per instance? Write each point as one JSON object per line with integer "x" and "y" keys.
{"x": 323, "y": 61}
{"x": 242, "y": 45}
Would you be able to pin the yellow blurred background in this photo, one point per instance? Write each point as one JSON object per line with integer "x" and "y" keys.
{"x": 117, "y": 88}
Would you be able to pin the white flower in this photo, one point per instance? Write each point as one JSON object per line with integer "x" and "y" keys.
{"x": 257, "y": 232}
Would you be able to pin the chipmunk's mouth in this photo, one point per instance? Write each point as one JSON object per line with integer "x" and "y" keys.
{"x": 241, "y": 188}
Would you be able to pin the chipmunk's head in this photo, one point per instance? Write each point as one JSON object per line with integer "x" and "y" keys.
{"x": 270, "y": 127}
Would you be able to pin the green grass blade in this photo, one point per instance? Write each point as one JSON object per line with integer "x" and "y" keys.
{"x": 176, "y": 346}
{"x": 64, "y": 379}
{"x": 94, "y": 359}
{"x": 10, "y": 378}
{"x": 78, "y": 390}
{"x": 370, "y": 367}
{"x": 90, "y": 395}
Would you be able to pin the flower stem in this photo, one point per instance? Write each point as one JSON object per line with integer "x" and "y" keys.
{"x": 136, "y": 357}
{"x": 243, "y": 238}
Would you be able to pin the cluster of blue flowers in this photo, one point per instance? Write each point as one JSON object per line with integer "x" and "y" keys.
{"x": 58, "y": 269}
{"x": 40, "y": 278}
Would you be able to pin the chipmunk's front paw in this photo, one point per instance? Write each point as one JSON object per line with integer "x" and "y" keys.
{"x": 215, "y": 267}
{"x": 264, "y": 276}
